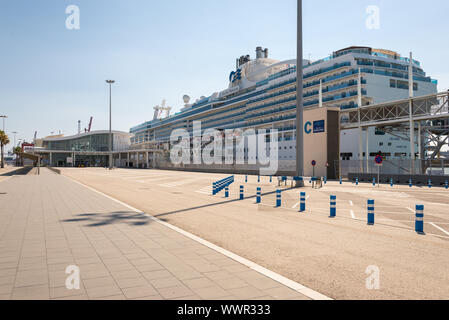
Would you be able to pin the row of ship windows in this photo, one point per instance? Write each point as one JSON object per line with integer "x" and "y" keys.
{"x": 274, "y": 103}
{"x": 377, "y": 63}
{"x": 320, "y": 71}
{"x": 349, "y": 155}
{"x": 399, "y": 84}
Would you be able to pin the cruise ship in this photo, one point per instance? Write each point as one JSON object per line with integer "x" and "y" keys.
{"x": 262, "y": 95}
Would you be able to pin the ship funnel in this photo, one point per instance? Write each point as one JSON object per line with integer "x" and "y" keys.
{"x": 259, "y": 53}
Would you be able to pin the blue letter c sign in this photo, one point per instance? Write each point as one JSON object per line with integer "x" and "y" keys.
{"x": 307, "y": 127}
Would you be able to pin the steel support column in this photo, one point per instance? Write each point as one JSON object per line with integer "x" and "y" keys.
{"x": 359, "y": 102}
{"x": 367, "y": 149}
{"x": 410, "y": 108}
{"x": 148, "y": 160}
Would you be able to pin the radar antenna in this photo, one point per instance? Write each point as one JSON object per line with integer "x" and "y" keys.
{"x": 159, "y": 109}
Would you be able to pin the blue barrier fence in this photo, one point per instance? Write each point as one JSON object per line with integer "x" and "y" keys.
{"x": 222, "y": 184}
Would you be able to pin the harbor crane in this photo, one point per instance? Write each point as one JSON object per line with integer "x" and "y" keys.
{"x": 90, "y": 125}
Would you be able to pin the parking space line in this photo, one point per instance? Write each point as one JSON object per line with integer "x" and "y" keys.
{"x": 352, "y": 214}
{"x": 176, "y": 183}
{"x": 205, "y": 190}
{"x": 351, "y": 203}
{"x": 439, "y": 228}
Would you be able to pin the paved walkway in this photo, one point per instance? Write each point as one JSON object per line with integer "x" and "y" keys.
{"x": 49, "y": 222}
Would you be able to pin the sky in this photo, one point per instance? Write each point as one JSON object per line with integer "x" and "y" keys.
{"x": 52, "y": 76}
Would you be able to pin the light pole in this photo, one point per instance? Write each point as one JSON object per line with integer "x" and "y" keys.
{"x": 14, "y": 133}
{"x": 299, "y": 100}
{"x": 4, "y": 117}
{"x": 110, "y": 82}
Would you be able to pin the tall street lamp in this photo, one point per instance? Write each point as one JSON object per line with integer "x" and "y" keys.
{"x": 110, "y": 82}
{"x": 14, "y": 133}
{"x": 299, "y": 100}
{"x": 4, "y": 117}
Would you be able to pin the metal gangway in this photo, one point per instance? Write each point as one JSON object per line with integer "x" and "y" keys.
{"x": 424, "y": 108}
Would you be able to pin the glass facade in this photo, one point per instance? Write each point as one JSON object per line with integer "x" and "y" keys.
{"x": 94, "y": 142}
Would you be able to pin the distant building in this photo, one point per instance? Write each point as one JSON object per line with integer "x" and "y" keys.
{"x": 89, "y": 149}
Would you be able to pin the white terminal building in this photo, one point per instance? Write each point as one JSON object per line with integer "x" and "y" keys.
{"x": 262, "y": 95}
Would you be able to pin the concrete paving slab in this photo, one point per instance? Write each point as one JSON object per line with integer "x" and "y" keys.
{"x": 120, "y": 254}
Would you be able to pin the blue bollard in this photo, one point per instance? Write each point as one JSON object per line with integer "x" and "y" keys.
{"x": 419, "y": 223}
{"x": 430, "y": 183}
{"x": 341, "y": 181}
{"x": 374, "y": 182}
{"x": 271, "y": 179}
{"x": 391, "y": 182}
{"x": 410, "y": 183}
{"x": 213, "y": 188}
{"x": 333, "y": 206}
{"x": 325, "y": 179}
{"x": 227, "y": 192}
{"x": 258, "y": 179}
{"x": 356, "y": 181}
{"x": 258, "y": 197}
{"x": 370, "y": 212}
{"x": 446, "y": 184}
{"x": 241, "y": 193}
{"x": 278, "y": 198}
{"x": 302, "y": 202}
{"x": 246, "y": 179}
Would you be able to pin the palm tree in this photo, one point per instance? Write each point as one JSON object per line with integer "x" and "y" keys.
{"x": 17, "y": 151}
{"x": 4, "y": 140}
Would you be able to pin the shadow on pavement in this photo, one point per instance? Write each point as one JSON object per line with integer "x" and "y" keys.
{"x": 19, "y": 171}
{"x": 214, "y": 204}
{"x": 103, "y": 219}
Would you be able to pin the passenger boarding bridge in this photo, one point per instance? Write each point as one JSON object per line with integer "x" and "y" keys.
{"x": 427, "y": 115}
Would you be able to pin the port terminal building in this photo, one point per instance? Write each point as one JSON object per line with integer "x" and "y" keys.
{"x": 90, "y": 149}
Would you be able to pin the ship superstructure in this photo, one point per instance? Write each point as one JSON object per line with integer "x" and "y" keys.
{"x": 262, "y": 95}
